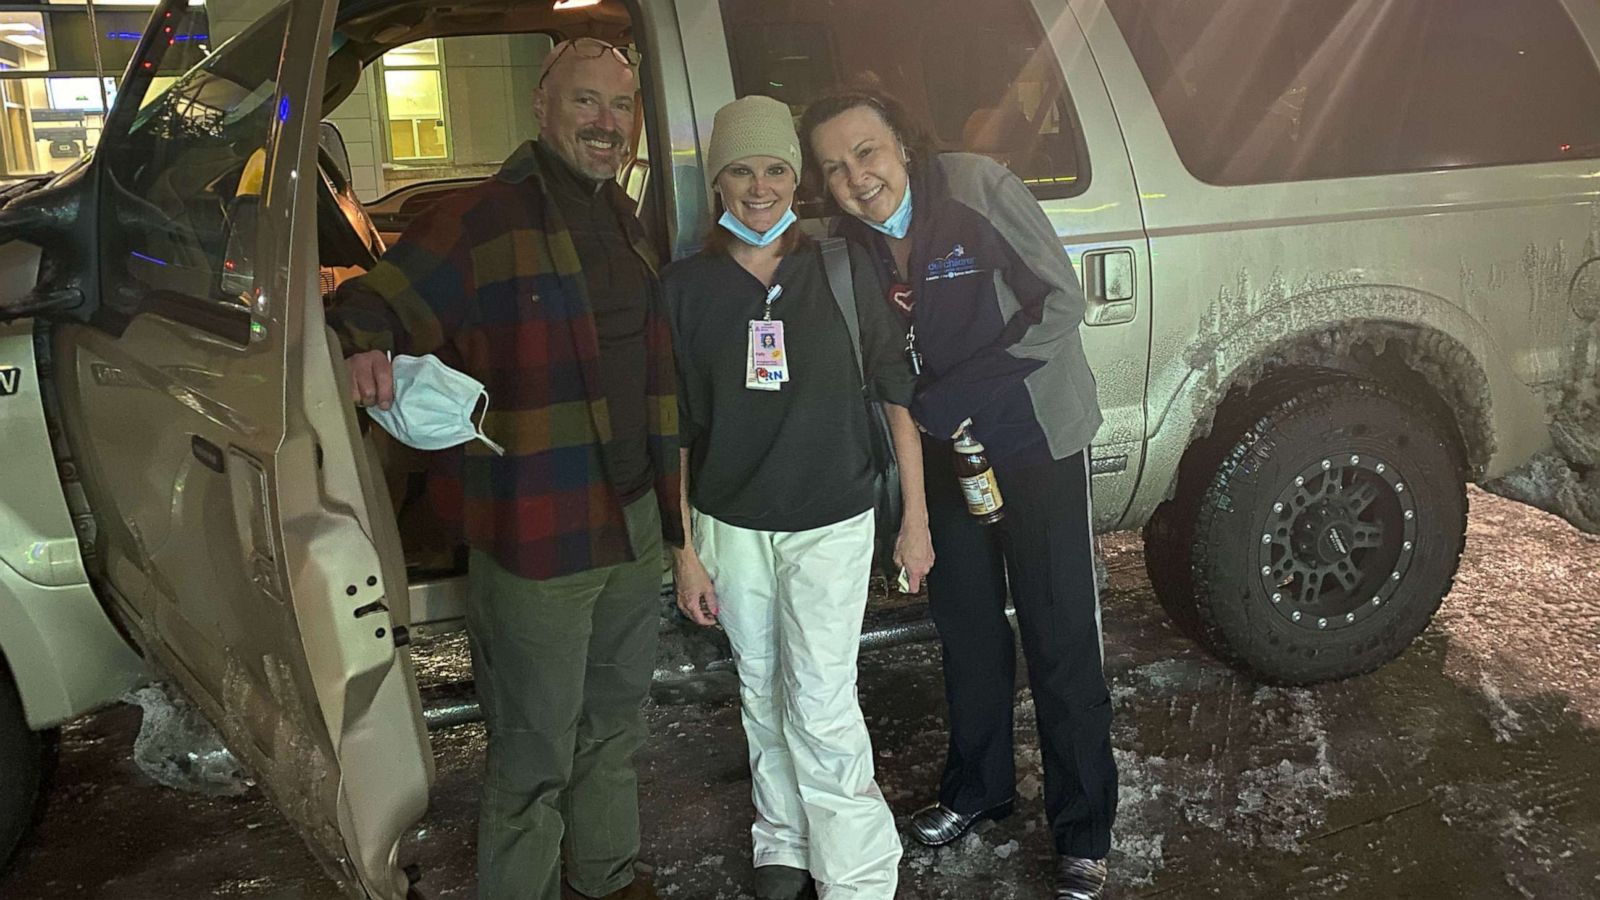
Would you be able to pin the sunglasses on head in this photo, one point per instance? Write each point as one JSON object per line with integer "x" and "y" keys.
{"x": 590, "y": 48}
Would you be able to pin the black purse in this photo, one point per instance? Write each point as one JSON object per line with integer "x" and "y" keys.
{"x": 886, "y": 469}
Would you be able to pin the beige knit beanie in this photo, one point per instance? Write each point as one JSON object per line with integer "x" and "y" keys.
{"x": 752, "y": 126}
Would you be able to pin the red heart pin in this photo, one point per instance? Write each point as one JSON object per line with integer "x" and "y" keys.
{"x": 900, "y": 295}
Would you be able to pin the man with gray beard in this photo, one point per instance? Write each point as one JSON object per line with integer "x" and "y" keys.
{"x": 539, "y": 283}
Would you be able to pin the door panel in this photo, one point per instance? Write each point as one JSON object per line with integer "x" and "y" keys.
{"x": 1103, "y": 230}
{"x": 139, "y": 426}
{"x": 221, "y": 455}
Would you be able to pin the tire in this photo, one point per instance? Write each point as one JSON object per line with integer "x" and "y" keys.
{"x": 24, "y": 763}
{"x": 1326, "y": 537}
{"x": 1169, "y": 545}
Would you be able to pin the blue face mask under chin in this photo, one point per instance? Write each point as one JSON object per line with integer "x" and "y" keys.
{"x": 897, "y": 225}
{"x": 757, "y": 238}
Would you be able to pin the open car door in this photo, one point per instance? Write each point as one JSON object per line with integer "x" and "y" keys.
{"x": 239, "y": 531}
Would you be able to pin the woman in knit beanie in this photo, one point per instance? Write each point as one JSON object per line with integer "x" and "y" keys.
{"x": 779, "y": 499}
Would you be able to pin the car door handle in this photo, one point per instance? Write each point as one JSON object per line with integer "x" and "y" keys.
{"x": 209, "y": 454}
{"x": 1108, "y": 276}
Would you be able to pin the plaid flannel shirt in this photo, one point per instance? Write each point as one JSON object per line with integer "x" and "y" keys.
{"x": 488, "y": 279}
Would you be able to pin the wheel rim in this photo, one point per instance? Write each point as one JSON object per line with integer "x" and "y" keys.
{"x": 1337, "y": 542}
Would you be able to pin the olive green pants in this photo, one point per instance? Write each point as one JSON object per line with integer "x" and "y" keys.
{"x": 562, "y": 668}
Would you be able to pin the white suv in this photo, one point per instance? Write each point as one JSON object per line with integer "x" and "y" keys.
{"x": 1338, "y": 264}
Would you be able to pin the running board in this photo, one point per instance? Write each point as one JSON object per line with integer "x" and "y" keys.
{"x": 456, "y": 703}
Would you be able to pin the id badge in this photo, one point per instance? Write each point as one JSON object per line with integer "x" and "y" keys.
{"x": 756, "y": 378}
{"x": 769, "y": 363}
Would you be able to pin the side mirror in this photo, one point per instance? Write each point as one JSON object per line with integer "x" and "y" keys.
{"x": 44, "y": 258}
{"x": 19, "y": 272}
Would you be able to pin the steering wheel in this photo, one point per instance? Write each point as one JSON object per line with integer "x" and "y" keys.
{"x": 346, "y": 235}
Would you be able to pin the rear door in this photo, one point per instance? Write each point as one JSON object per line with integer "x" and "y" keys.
{"x": 233, "y": 509}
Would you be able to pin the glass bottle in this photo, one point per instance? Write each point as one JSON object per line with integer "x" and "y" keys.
{"x": 978, "y": 485}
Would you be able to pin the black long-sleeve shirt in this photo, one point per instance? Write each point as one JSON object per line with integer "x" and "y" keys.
{"x": 619, "y": 284}
{"x": 798, "y": 457}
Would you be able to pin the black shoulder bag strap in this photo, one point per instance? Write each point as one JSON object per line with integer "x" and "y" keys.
{"x": 836, "y": 261}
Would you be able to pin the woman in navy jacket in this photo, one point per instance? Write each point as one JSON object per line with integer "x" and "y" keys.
{"x": 992, "y": 306}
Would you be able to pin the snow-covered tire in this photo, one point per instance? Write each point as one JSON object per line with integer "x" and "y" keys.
{"x": 24, "y": 755}
{"x": 1329, "y": 533}
{"x": 1169, "y": 545}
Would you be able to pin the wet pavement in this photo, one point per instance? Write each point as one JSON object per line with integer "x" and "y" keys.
{"x": 1465, "y": 769}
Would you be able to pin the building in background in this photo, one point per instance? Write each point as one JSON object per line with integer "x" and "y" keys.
{"x": 439, "y": 108}
{"x": 54, "y": 103}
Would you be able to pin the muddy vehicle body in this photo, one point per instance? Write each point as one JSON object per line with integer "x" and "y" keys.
{"x": 1314, "y": 320}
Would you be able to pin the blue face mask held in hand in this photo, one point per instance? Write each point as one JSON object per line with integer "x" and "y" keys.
{"x": 898, "y": 224}
{"x": 433, "y": 405}
{"x": 757, "y": 238}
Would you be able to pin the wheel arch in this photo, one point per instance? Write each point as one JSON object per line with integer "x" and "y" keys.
{"x": 58, "y": 642}
{"x": 1425, "y": 362}
{"x": 61, "y": 650}
{"x": 1471, "y": 393}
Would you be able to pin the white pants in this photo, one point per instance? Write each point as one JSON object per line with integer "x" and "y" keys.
{"x": 791, "y": 603}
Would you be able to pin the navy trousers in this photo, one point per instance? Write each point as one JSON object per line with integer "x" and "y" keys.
{"x": 1044, "y": 547}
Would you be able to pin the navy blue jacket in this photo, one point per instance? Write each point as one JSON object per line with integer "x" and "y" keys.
{"x": 997, "y": 313}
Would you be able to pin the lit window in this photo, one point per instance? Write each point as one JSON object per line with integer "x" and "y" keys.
{"x": 413, "y": 94}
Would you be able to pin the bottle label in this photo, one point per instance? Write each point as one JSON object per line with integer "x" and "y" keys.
{"x": 982, "y": 493}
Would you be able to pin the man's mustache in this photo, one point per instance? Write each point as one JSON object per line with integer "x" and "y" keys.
{"x": 610, "y": 136}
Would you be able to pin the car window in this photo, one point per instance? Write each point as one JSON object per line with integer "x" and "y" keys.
{"x": 51, "y": 101}
{"x": 182, "y": 186}
{"x": 1278, "y": 90}
{"x": 440, "y": 108}
{"x": 978, "y": 77}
